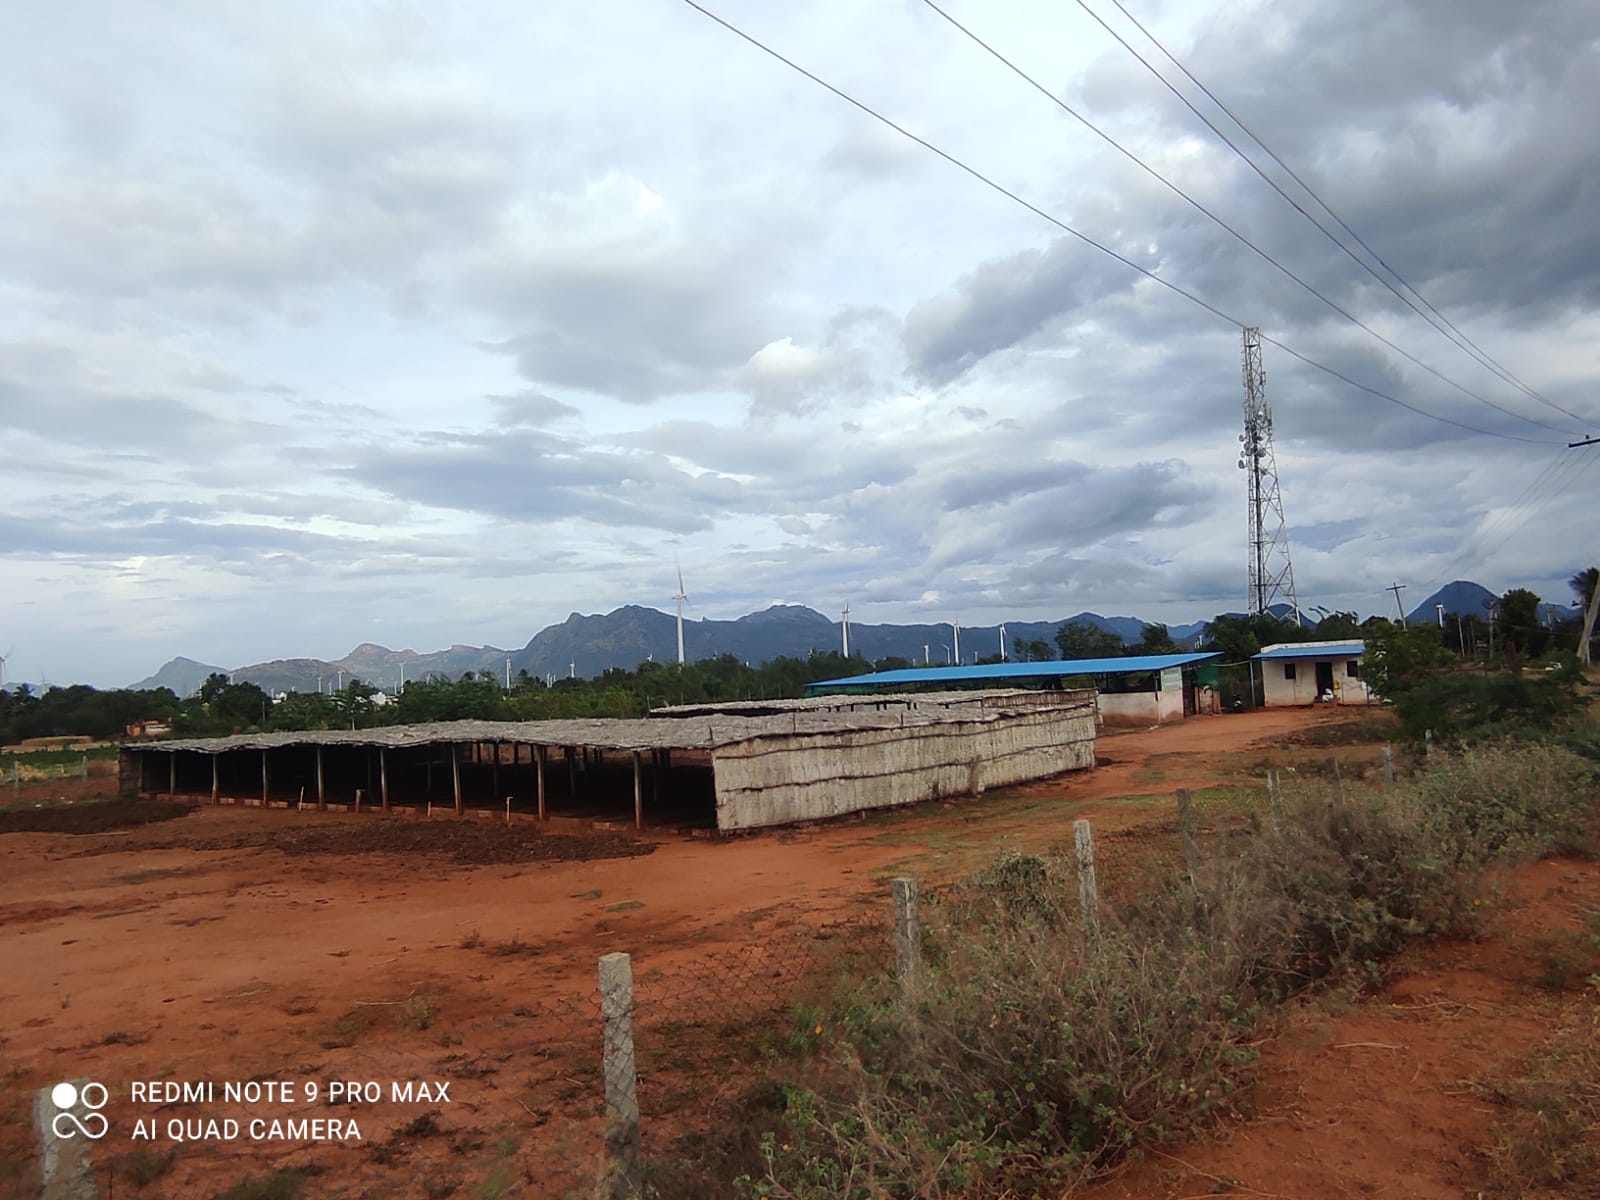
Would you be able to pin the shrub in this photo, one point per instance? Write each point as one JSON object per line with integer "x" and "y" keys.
{"x": 1036, "y": 1051}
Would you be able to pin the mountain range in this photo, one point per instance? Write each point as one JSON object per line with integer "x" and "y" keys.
{"x": 586, "y": 645}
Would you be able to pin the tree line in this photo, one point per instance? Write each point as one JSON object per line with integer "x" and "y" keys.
{"x": 1512, "y": 634}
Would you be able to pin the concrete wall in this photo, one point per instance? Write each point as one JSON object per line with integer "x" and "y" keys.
{"x": 779, "y": 779}
{"x": 1278, "y": 691}
{"x": 1141, "y": 708}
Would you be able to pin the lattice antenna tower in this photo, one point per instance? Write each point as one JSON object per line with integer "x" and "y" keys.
{"x": 1271, "y": 572}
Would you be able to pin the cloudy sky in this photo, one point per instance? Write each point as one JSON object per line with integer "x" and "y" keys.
{"x": 431, "y": 322}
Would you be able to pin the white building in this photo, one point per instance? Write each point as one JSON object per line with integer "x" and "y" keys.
{"x": 1312, "y": 673}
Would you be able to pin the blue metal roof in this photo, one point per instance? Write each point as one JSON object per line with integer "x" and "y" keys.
{"x": 1315, "y": 650}
{"x": 1017, "y": 670}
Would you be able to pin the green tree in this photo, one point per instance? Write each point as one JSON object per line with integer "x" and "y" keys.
{"x": 1399, "y": 659}
{"x": 1031, "y": 650}
{"x": 1517, "y": 624}
{"x": 1079, "y": 639}
{"x": 1154, "y": 639}
{"x": 1336, "y": 626}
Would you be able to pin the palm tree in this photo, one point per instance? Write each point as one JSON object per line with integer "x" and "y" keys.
{"x": 1586, "y": 586}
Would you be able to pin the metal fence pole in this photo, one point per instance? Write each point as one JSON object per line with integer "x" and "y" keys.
{"x": 907, "y": 933}
{"x": 622, "y": 1172}
{"x": 1088, "y": 885}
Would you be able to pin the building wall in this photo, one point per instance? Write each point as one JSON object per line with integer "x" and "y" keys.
{"x": 779, "y": 779}
{"x": 1278, "y": 691}
{"x": 1141, "y": 708}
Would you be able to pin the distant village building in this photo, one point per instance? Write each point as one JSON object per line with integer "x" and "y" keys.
{"x": 1312, "y": 673}
{"x": 149, "y": 729}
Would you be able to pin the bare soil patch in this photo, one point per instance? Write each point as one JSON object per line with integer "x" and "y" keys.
{"x": 465, "y": 842}
{"x": 95, "y": 816}
{"x": 242, "y": 944}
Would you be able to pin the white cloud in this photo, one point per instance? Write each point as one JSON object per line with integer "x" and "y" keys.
{"x": 389, "y": 306}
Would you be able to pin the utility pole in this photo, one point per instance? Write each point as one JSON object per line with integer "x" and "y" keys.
{"x": 1397, "y": 588}
{"x": 1588, "y": 624}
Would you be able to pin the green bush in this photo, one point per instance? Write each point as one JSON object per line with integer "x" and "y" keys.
{"x": 1037, "y": 1050}
{"x": 1461, "y": 708}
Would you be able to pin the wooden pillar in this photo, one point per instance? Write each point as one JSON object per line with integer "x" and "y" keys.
{"x": 455, "y": 776}
{"x": 638, "y": 789}
{"x": 655, "y": 779}
{"x": 494, "y": 770}
{"x": 368, "y": 757}
{"x": 383, "y": 775}
{"x": 322, "y": 790}
{"x": 172, "y": 773}
{"x": 143, "y": 787}
{"x": 572, "y": 769}
{"x": 430, "y": 769}
{"x": 266, "y": 779}
{"x": 538, "y": 753}
{"x": 216, "y": 781}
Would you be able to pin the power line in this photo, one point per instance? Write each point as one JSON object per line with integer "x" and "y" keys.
{"x": 1326, "y": 232}
{"x": 1224, "y": 225}
{"x": 1482, "y": 356}
{"x": 1176, "y": 289}
{"x": 1556, "y": 474}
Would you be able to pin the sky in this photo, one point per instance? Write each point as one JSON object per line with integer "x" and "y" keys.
{"x": 431, "y": 323}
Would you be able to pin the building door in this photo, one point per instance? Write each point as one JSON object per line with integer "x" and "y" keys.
{"x": 1324, "y": 678}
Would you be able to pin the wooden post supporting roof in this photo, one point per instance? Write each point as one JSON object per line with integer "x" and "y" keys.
{"x": 572, "y": 770}
{"x": 266, "y": 779}
{"x": 538, "y": 753}
{"x": 494, "y": 770}
{"x": 638, "y": 790}
{"x": 455, "y": 775}
{"x": 216, "y": 782}
{"x": 322, "y": 790}
{"x": 172, "y": 773}
{"x": 383, "y": 775}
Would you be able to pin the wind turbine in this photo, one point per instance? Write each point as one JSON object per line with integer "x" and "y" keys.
{"x": 846, "y": 615}
{"x": 1002, "y": 643}
{"x": 3, "y": 658}
{"x": 680, "y": 597}
{"x": 956, "y": 627}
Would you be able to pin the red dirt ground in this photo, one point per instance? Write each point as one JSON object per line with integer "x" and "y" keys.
{"x": 232, "y": 944}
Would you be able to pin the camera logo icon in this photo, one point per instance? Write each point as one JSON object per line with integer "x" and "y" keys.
{"x": 80, "y": 1114}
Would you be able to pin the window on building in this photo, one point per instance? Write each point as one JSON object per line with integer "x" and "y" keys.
{"x": 1288, "y": 670}
{"x": 1353, "y": 669}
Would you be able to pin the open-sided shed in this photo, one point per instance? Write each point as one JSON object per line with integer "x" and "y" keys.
{"x": 734, "y": 771}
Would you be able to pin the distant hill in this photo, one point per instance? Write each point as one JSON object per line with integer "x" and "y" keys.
{"x": 589, "y": 644}
{"x": 183, "y": 675}
{"x": 1460, "y": 597}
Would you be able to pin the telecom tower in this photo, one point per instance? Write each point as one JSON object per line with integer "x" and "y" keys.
{"x": 1271, "y": 572}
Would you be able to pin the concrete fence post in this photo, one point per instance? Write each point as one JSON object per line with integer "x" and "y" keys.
{"x": 1388, "y": 764}
{"x": 1088, "y": 885}
{"x": 1274, "y": 792}
{"x": 1427, "y": 742}
{"x": 622, "y": 1172}
{"x": 1186, "y": 822}
{"x": 67, "y": 1121}
{"x": 907, "y": 933}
